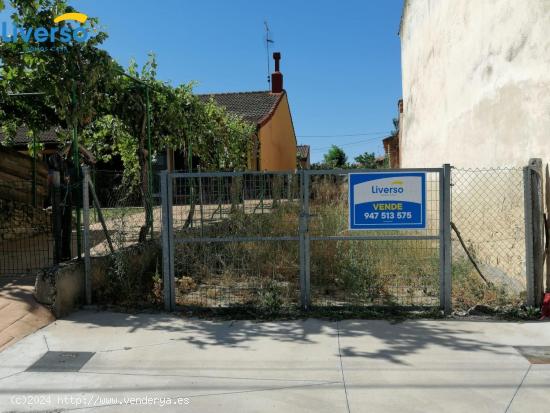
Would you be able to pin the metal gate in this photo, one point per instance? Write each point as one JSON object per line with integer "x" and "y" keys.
{"x": 282, "y": 239}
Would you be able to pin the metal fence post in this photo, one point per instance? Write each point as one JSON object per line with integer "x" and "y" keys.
{"x": 547, "y": 225}
{"x": 169, "y": 206}
{"x": 307, "y": 253}
{"x": 304, "y": 240}
{"x": 529, "y": 256}
{"x": 535, "y": 167}
{"x": 166, "y": 241}
{"x": 86, "y": 233}
{"x": 447, "y": 246}
{"x": 442, "y": 239}
{"x": 57, "y": 216}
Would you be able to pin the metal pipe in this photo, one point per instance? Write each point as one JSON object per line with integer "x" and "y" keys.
{"x": 86, "y": 219}
{"x": 149, "y": 163}
{"x": 76, "y": 164}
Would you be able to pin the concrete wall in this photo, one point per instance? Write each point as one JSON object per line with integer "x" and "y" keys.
{"x": 278, "y": 141}
{"x": 476, "y": 82}
{"x": 62, "y": 288}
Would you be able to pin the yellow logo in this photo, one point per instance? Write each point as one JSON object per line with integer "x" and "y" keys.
{"x": 79, "y": 17}
{"x": 397, "y": 183}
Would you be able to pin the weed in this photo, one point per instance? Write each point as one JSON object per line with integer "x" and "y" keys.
{"x": 270, "y": 298}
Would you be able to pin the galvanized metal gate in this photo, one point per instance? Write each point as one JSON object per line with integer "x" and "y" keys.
{"x": 282, "y": 238}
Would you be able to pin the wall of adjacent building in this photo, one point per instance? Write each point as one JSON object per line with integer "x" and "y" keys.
{"x": 278, "y": 141}
{"x": 476, "y": 82}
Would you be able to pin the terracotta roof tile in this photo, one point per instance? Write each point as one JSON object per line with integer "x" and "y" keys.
{"x": 251, "y": 106}
{"x": 303, "y": 151}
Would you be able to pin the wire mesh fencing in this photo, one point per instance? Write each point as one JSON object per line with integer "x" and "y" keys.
{"x": 488, "y": 213}
{"x": 247, "y": 239}
{"x": 121, "y": 219}
{"x": 26, "y": 241}
{"x": 236, "y": 239}
{"x": 347, "y": 270}
{"x": 40, "y": 231}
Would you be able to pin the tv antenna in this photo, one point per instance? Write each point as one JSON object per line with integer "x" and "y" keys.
{"x": 268, "y": 42}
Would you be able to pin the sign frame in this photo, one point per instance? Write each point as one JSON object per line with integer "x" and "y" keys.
{"x": 353, "y": 225}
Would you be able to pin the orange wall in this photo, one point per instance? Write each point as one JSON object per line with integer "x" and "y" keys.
{"x": 278, "y": 141}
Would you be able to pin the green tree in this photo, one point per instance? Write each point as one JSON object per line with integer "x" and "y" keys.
{"x": 367, "y": 160}
{"x": 336, "y": 157}
{"x": 107, "y": 105}
{"x": 83, "y": 89}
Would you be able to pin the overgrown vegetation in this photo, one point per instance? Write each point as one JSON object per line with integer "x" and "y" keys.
{"x": 345, "y": 273}
{"x": 469, "y": 289}
{"x": 261, "y": 278}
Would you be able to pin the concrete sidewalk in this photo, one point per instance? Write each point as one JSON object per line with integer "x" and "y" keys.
{"x": 289, "y": 366}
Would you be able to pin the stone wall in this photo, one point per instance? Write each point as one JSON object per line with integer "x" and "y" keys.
{"x": 19, "y": 219}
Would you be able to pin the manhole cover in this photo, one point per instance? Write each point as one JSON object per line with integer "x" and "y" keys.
{"x": 535, "y": 354}
{"x": 61, "y": 361}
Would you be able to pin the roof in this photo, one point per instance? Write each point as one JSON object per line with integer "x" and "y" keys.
{"x": 302, "y": 151}
{"x": 254, "y": 107}
{"x": 21, "y": 137}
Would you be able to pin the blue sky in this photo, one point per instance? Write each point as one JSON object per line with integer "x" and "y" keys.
{"x": 340, "y": 59}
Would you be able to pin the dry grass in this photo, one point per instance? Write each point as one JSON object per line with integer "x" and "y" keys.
{"x": 343, "y": 273}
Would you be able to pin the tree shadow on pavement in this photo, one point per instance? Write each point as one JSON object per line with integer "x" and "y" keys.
{"x": 377, "y": 339}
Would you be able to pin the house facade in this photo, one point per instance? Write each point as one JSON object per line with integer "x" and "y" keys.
{"x": 476, "y": 82}
{"x": 270, "y": 112}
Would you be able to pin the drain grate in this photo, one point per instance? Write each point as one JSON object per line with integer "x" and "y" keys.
{"x": 535, "y": 354}
{"x": 61, "y": 361}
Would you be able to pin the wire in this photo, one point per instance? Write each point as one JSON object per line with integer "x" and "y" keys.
{"x": 344, "y": 135}
{"x": 350, "y": 143}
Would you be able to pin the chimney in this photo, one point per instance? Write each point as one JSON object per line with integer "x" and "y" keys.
{"x": 276, "y": 76}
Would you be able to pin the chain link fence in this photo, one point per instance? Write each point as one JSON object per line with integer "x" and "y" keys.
{"x": 346, "y": 271}
{"x": 237, "y": 240}
{"x": 488, "y": 212}
{"x": 26, "y": 240}
{"x": 122, "y": 210}
{"x": 28, "y": 235}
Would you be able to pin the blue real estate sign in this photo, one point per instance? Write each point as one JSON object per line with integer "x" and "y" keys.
{"x": 387, "y": 200}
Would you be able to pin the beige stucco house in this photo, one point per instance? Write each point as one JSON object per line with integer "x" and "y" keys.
{"x": 476, "y": 82}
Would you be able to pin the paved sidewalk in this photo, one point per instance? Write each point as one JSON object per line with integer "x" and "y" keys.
{"x": 20, "y": 314}
{"x": 289, "y": 366}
